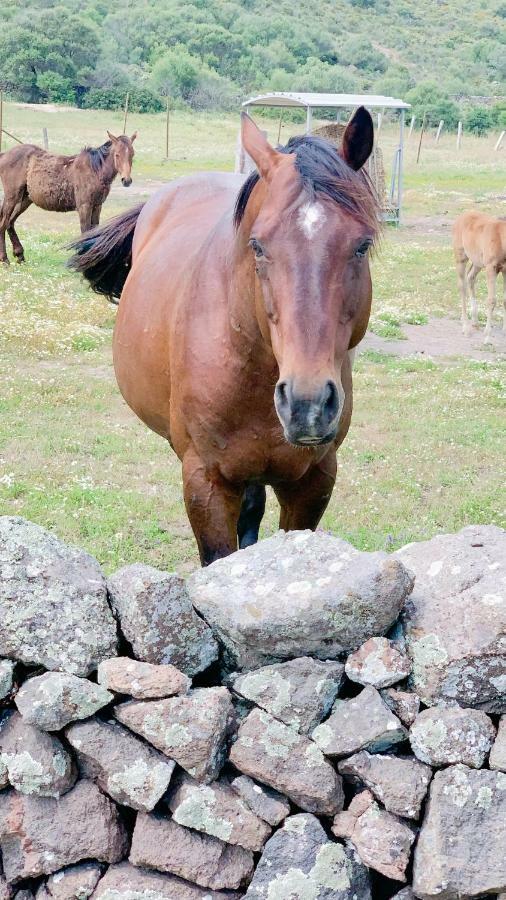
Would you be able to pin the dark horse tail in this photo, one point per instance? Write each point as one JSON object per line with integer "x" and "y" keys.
{"x": 104, "y": 255}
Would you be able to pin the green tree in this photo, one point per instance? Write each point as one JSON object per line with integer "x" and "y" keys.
{"x": 479, "y": 120}
{"x": 427, "y": 99}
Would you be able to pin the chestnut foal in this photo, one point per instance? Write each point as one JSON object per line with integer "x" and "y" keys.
{"x": 480, "y": 240}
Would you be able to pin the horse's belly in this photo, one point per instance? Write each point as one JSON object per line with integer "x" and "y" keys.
{"x": 49, "y": 189}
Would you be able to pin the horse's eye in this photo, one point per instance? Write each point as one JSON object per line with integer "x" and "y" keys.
{"x": 361, "y": 250}
{"x": 257, "y": 248}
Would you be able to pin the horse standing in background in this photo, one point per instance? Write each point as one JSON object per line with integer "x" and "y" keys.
{"x": 240, "y": 302}
{"x": 60, "y": 183}
{"x": 480, "y": 240}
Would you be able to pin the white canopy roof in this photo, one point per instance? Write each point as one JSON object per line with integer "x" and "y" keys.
{"x": 316, "y": 101}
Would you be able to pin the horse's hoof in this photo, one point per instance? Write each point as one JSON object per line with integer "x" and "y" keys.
{"x": 5, "y": 262}
{"x": 20, "y": 259}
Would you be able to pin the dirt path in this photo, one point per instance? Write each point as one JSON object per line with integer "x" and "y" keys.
{"x": 441, "y": 339}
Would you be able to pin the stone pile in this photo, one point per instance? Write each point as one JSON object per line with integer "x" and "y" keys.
{"x": 299, "y": 721}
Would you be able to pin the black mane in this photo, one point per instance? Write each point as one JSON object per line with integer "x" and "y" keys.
{"x": 323, "y": 171}
{"x": 98, "y": 155}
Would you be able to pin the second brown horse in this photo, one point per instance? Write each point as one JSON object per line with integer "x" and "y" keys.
{"x": 241, "y": 303}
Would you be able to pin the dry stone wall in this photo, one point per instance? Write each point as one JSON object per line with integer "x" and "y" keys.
{"x": 299, "y": 721}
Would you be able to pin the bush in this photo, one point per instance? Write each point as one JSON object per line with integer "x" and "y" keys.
{"x": 427, "y": 99}
{"x": 498, "y": 113}
{"x": 140, "y": 100}
{"x": 359, "y": 52}
{"x": 479, "y": 120}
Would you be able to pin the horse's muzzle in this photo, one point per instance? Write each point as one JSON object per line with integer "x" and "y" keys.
{"x": 308, "y": 420}
{"x": 126, "y": 182}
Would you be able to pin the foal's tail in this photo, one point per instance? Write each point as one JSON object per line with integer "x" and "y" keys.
{"x": 104, "y": 255}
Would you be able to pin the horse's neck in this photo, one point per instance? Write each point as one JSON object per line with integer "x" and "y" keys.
{"x": 108, "y": 171}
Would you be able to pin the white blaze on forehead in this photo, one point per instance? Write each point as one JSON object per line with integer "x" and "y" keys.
{"x": 311, "y": 218}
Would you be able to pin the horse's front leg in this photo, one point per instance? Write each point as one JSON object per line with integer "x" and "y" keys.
{"x": 213, "y": 506}
{"x": 303, "y": 502}
{"x": 85, "y": 211}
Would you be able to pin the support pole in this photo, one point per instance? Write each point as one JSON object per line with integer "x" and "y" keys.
{"x": 401, "y": 164}
{"x": 309, "y": 119}
{"x": 280, "y": 123}
{"x": 459, "y": 135}
{"x": 439, "y": 130}
{"x": 11, "y": 136}
{"x": 167, "y": 130}
{"x": 498, "y": 142}
{"x": 421, "y": 139}
{"x": 127, "y": 98}
{"x": 45, "y": 139}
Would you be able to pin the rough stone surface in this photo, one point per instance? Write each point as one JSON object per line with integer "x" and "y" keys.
{"x": 265, "y": 802}
{"x": 192, "y": 730}
{"x": 126, "y": 882}
{"x": 53, "y": 601}
{"x": 378, "y": 662}
{"x": 298, "y": 594}
{"x": 441, "y": 736}
{"x": 4, "y": 778}
{"x": 130, "y": 771}
{"x": 6, "y": 892}
{"x": 162, "y": 844}
{"x": 498, "y": 753}
{"x": 363, "y": 723}
{"x": 382, "y": 840}
{"x": 300, "y": 862}
{"x": 39, "y": 836}
{"x": 299, "y": 692}
{"x": 142, "y": 680}
{"x": 400, "y": 784}
{"x": 217, "y": 810}
{"x": 52, "y": 700}
{"x": 6, "y": 677}
{"x": 404, "y": 704}
{"x": 455, "y": 620}
{"x": 460, "y": 850}
{"x": 36, "y": 763}
{"x": 278, "y": 756}
{"x": 74, "y": 883}
{"x": 158, "y": 620}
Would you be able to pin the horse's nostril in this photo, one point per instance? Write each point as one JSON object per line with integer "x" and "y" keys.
{"x": 282, "y": 394}
{"x": 330, "y": 399}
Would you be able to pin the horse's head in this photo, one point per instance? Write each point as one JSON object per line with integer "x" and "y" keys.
{"x": 123, "y": 155}
{"x": 308, "y": 219}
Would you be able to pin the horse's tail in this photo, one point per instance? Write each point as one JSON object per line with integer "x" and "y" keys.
{"x": 104, "y": 255}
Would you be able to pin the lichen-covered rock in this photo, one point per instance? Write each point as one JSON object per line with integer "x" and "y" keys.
{"x": 498, "y": 753}
{"x": 4, "y": 777}
{"x": 40, "y": 836}
{"x": 162, "y": 844}
{"x": 378, "y": 662}
{"x": 6, "y": 891}
{"x": 6, "y": 677}
{"x": 404, "y": 704}
{"x": 141, "y": 680}
{"x": 192, "y": 730}
{"x": 158, "y": 620}
{"x": 440, "y": 736}
{"x": 381, "y": 839}
{"x": 460, "y": 850}
{"x": 363, "y": 723}
{"x": 299, "y": 692}
{"x": 218, "y": 811}
{"x": 53, "y": 601}
{"x": 126, "y": 882}
{"x": 52, "y": 700}
{"x": 455, "y": 620}
{"x": 400, "y": 783}
{"x": 265, "y": 802}
{"x": 300, "y": 862}
{"x": 36, "y": 763}
{"x": 73, "y": 883}
{"x": 278, "y": 756}
{"x": 130, "y": 771}
{"x": 298, "y": 594}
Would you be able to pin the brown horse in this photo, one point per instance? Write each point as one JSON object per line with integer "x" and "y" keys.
{"x": 60, "y": 183}
{"x": 235, "y": 324}
{"x": 479, "y": 240}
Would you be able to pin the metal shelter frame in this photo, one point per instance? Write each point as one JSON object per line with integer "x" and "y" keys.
{"x": 309, "y": 102}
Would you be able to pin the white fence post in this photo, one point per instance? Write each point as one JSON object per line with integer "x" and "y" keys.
{"x": 439, "y": 130}
{"x": 459, "y": 135}
{"x": 499, "y": 140}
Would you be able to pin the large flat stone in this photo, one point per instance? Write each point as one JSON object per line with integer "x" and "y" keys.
{"x": 126, "y": 882}
{"x": 440, "y": 736}
{"x": 36, "y": 763}
{"x": 378, "y": 662}
{"x": 363, "y": 723}
{"x": 141, "y": 680}
{"x": 52, "y": 700}
{"x": 298, "y": 594}
{"x": 400, "y": 784}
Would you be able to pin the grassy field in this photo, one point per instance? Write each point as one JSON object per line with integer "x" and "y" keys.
{"x": 426, "y": 449}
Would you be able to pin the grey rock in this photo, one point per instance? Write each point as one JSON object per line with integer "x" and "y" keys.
{"x": 161, "y": 844}
{"x": 278, "y": 756}
{"x": 399, "y": 783}
{"x": 378, "y": 662}
{"x": 300, "y": 862}
{"x": 6, "y": 677}
{"x": 6, "y": 891}
{"x": 53, "y": 601}
{"x": 298, "y": 594}
{"x": 24, "y": 895}
{"x": 130, "y": 771}
{"x": 126, "y": 882}
{"x": 36, "y": 763}
{"x": 39, "y": 836}
{"x": 405, "y": 894}
{"x": 141, "y": 680}
{"x": 52, "y": 700}
{"x": 404, "y": 704}
{"x": 460, "y": 850}
{"x": 382, "y": 841}
{"x": 299, "y": 692}
{"x": 498, "y": 753}
{"x": 73, "y": 883}
{"x": 218, "y": 811}
{"x": 191, "y": 730}
{"x": 158, "y": 620}
{"x": 4, "y": 778}
{"x": 455, "y": 620}
{"x": 363, "y": 723}
{"x": 265, "y": 802}
{"x": 440, "y": 736}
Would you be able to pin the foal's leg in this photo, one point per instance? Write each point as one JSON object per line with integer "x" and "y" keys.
{"x": 85, "y": 211}
{"x": 5, "y": 211}
{"x": 471, "y": 280}
{"x": 303, "y": 502}
{"x": 461, "y": 263}
{"x": 95, "y": 215}
{"x": 213, "y": 506}
{"x": 17, "y": 246}
{"x": 252, "y": 511}
{"x": 504, "y": 298}
{"x": 491, "y": 283}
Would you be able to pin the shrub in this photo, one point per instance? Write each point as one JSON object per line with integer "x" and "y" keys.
{"x": 428, "y": 99}
{"x": 479, "y": 120}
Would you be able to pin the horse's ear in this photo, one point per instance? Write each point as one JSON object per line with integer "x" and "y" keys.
{"x": 257, "y": 146}
{"x": 111, "y": 137}
{"x": 358, "y": 139}
{"x": 134, "y": 135}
